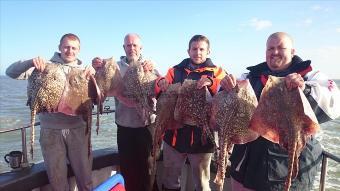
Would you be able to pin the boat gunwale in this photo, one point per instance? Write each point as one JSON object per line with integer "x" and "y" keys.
{"x": 36, "y": 176}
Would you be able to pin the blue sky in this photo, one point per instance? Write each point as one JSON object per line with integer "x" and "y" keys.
{"x": 237, "y": 29}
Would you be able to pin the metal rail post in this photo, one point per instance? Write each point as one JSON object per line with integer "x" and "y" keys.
{"x": 24, "y": 148}
{"x": 323, "y": 173}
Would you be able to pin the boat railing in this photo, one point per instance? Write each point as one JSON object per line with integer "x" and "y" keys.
{"x": 325, "y": 154}
{"x": 23, "y": 141}
{"x": 24, "y": 162}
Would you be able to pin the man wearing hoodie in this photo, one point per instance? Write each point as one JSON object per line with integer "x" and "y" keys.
{"x": 63, "y": 138}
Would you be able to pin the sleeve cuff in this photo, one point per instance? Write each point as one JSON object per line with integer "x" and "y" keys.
{"x": 307, "y": 90}
{"x": 211, "y": 80}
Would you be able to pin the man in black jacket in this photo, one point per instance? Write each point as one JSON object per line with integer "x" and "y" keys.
{"x": 261, "y": 164}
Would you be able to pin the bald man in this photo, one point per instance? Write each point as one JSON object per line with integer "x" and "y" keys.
{"x": 133, "y": 137}
{"x": 261, "y": 164}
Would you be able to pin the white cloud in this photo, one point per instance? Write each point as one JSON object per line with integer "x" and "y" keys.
{"x": 259, "y": 24}
{"x": 304, "y": 23}
{"x": 307, "y": 22}
{"x": 337, "y": 29}
{"x": 319, "y": 8}
{"x": 316, "y": 7}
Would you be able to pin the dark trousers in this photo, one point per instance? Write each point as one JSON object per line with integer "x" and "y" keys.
{"x": 134, "y": 146}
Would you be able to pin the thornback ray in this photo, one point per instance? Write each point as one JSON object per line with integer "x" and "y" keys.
{"x": 231, "y": 114}
{"x": 285, "y": 117}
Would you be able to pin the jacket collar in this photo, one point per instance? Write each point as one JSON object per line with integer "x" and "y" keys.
{"x": 186, "y": 63}
{"x": 298, "y": 65}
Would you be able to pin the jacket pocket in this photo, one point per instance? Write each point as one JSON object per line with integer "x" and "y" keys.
{"x": 277, "y": 163}
{"x": 277, "y": 160}
{"x": 310, "y": 156}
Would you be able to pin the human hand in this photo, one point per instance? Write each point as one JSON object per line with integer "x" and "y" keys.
{"x": 89, "y": 71}
{"x": 294, "y": 80}
{"x": 203, "y": 82}
{"x": 97, "y": 63}
{"x": 147, "y": 65}
{"x": 163, "y": 84}
{"x": 228, "y": 82}
{"x": 39, "y": 63}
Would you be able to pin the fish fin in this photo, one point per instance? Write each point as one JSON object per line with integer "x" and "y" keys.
{"x": 258, "y": 126}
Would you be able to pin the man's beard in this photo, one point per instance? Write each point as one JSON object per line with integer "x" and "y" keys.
{"x": 132, "y": 59}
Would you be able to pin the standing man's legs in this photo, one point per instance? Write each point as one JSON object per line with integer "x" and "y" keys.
{"x": 173, "y": 162}
{"x": 54, "y": 153}
{"x": 80, "y": 160}
{"x": 134, "y": 146}
{"x": 200, "y": 164}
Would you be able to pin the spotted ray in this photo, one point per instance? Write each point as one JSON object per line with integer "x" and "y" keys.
{"x": 79, "y": 95}
{"x": 193, "y": 106}
{"x": 165, "y": 108}
{"x": 44, "y": 91}
{"x": 109, "y": 79}
{"x": 285, "y": 117}
{"x": 139, "y": 86}
{"x": 60, "y": 89}
{"x": 110, "y": 83}
{"x": 231, "y": 114}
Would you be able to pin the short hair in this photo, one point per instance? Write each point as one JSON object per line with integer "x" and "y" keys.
{"x": 197, "y": 38}
{"x": 70, "y": 36}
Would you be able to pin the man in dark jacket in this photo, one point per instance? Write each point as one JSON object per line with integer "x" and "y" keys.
{"x": 261, "y": 164}
{"x": 186, "y": 142}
